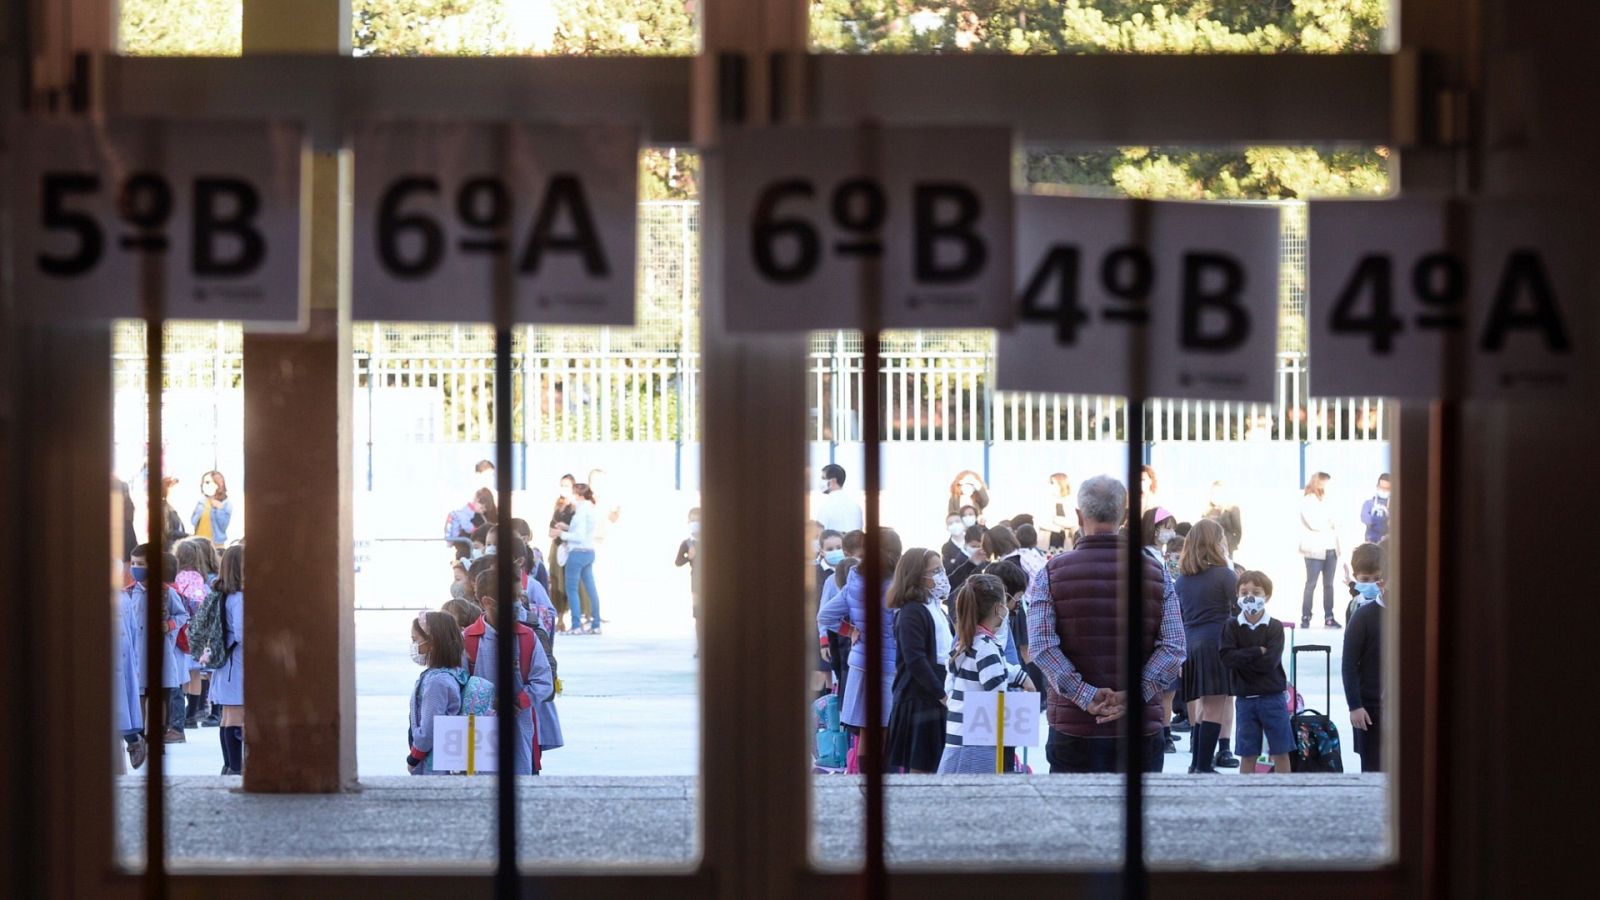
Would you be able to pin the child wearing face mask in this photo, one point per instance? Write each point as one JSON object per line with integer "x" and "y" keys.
{"x": 436, "y": 646}
{"x": 1362, "y": 667}
{"x": 951, "y": 554}
{"x": 916, "y": 723}
{"x": 976, "y": 665}
{"x": 1252, "y": 648}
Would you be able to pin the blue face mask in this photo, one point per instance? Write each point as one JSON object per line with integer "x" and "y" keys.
{"x": 138, "y": 573}
{"x": 833, "y": 557}
{"x": 1368, "y": 590}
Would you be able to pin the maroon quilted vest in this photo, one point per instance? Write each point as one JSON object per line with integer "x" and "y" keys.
{"x": 1083, "y": 591}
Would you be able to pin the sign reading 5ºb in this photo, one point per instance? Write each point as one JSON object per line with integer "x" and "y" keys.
{"x": 447, "y": 213}
{"x": 806, "y": 209}
{"x": 211, "y": 209}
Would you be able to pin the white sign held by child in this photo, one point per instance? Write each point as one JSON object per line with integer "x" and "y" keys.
{"x": 980, "y": 718}
{"x": 452, "y": 745}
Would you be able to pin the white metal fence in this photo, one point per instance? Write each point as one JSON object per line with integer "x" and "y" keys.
{"x": 435, "y": 383}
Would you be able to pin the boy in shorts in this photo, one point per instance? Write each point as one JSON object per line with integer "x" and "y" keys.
{"x": 1252, "y": 647}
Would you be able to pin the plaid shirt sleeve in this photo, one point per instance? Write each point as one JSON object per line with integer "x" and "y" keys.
{"x": 1062, "y": 677}
{"x": 1171, "y": 646}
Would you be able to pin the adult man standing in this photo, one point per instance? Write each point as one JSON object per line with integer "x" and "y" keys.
{"x": 1375, "y": 512}
{"x": 1077, "y": 641}
{"x": 836, "y": 511}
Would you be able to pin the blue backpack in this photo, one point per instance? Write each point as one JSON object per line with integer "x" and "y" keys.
{"x": 833, "y": 743}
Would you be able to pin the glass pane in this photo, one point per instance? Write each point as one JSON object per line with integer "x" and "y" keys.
{"x": 1229, "y": 495}
{"x": 1098, "y": 26}
{"x": 970, "y": 489}
{"x": 180, "y": 27}
{"x": 525, "y": 27}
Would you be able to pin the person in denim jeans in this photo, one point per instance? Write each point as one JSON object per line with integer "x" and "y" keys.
{"x": 1319, "y": 544}
{"x": 579, "y": 569}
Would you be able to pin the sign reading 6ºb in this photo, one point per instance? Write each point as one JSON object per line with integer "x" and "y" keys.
{"x": 807, "y": 208}
{"x": 213, "y": 207}
{"x": 448, "y": 213}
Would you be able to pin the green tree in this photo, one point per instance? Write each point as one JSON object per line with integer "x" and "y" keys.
{"x": 1139, "y": 26}
{"x": 181, "y": 27}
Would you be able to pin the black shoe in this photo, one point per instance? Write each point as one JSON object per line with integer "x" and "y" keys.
{"x": 214, "y": 720}
{"x": 228, "y": 771}
{"x": 1226, "y": 760}
{"x": 1331, "y": 622}
{"x": 1305, "y": 622}
{"x": 1192, "y": 770}
{"x": 1170, "y": 747}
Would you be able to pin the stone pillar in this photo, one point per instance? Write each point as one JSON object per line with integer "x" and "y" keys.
{"x": 300, "y": 709}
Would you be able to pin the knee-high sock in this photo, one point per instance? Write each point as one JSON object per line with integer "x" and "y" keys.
{"x": 1205, "y": 746}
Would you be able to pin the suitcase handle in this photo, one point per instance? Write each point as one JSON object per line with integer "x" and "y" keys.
{"x": 1294, "y": 668}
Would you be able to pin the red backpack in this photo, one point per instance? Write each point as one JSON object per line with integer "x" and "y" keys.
{"x": 473, "y": 636}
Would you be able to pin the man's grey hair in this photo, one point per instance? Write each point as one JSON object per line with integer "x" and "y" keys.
{"x": 1103, "y": 499}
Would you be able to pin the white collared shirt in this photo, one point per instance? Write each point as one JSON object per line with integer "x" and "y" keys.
{"x": 1246, "y": 622}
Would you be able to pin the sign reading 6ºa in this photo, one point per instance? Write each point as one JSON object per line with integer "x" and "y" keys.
{"x": 448, "y": 213}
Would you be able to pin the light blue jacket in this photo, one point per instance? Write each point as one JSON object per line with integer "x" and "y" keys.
{"x": 220, "y": 517}
{"x": 438, "y": 693}
{"x": 540, "y": 685}
{"x": 174, "y": 665}
{"x": 227, "y": 680}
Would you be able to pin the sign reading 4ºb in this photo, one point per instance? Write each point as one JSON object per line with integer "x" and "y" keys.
{"x": 211, "y": 209}
{"x": 807, "y": 209}
{"x": 447, "y": 213}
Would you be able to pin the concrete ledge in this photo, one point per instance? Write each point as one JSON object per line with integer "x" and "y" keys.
{"x": 1052, "y": 821}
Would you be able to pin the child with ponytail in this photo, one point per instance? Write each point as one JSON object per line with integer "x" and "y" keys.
{"x": 977, "y": 664}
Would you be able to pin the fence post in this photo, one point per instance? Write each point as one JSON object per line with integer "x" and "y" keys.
{"x": 988, "y": 407}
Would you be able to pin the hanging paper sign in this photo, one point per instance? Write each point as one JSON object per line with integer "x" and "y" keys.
{"x": 815, "y": 217}
{"x": 1389, "y": 298}
{"x": 447, "y": 213}
{"x": 205, "y": 213}
{"x": 1197, "y": 283}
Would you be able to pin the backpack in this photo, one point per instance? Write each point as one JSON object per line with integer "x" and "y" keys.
{"x": 1316, "y": 741}
{"x": 208, "y": 630}
{"x": 833, "y": 743}
{"x": 472, "y": 637}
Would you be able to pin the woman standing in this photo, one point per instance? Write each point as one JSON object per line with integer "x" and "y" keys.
{"x": 968, "y": 489}
{"x": 1206, "y": 590}
{"x": 578, "y": 572}
{"x": 916, "y": 725}
{"x": 1319, "y": 544}
{"x": 1062, "y": 523}
{"x": 1148, "y": 486}
{"x": 227, "y": 681}
{"x": 214, "y": 511}
{"x": 1222, "y": 508}
{"x": 560, "y": 521}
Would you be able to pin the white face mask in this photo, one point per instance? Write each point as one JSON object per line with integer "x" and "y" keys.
{"x": 209, "y": 489}
{"x": 1252, "y": 605}
{"x": 417, "y": 656}
{"x": 957, "y": 529}
{"x": 941, "y": 586}
{"x": 1164, "y": 535}
{"x": 694, "y": 529}
{"x": 969, "y": 521}
{"x": 566, "y": 493}
{"x": 826, "y": 485}
{"x": 968, "y": 551}
{"x": 1383, "y": 495}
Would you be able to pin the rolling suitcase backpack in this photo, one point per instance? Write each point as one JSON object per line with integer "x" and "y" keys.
{"x": 833, "y": 742}
{"x": 1316, "y": 738}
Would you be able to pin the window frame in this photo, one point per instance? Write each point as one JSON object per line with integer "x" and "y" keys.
{"x": 755, "y": 57}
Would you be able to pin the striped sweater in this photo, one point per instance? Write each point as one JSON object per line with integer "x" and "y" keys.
{"x": 980, "y": 668}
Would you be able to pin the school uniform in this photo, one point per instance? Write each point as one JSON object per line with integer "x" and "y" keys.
{"x": 1261, "y": 705}
{"x": 980, "y": 668}
{"x": 126, "y": 710}
{"x": 437, "y": 693}
{"x": 850, "y": 603}
{"x": 1362, "y": 671}
{"x": 916, "y": 724}
{"x": 174, "y": 668}
{"x": 1206, "y": 600}
{"x": 530, "y": 688}
{"x": 227, "y": 679}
